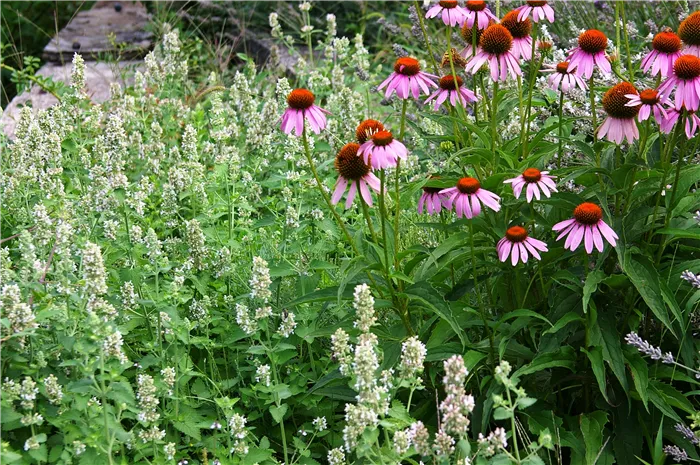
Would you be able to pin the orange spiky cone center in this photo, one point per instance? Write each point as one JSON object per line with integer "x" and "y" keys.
{"x": 300, "y": 99}
{"x": 614, "y": 101}
{"x": 592, "y": 41}
{"x": 516, "y": 234}
{"x": 468, "y": 185}
{"x": 588, "y": 213}
{"x": 348, "y": 164}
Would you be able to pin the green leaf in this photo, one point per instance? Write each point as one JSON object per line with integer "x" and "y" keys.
{"x": 523, "y": 312}
{"x": 590, "y": 286}
{"x": 278, "y": 412}
{"x": 563, "y": 321}
{"x": 595, "y": 355}
{"x": 612, "y": 349}
{"x": 646, "y": 279}
{"x": 563, "y": 358}
{"x": 427, "y": 295}
{"x": 592, "y": 425}
{"x": 640, "y": 374}
{"x": 188, "y": 428}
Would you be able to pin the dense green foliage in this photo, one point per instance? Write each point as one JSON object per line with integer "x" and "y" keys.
{"x": 178, "y": 285}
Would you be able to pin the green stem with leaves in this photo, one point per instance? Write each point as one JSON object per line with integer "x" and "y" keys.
{"x": 482, "y": 312}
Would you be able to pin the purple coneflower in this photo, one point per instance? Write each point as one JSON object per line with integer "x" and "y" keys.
{"x": 685, "y": 82}
{"x": 590, "y": 52}
{"x": 467, "y": 196}
{"x": 588, "y": 226}
{"x": 479, "y": 13}
{"x": 520, "y": 30}
{"x": 382, "y": 150}
{"x": 518, "y": 246}
{"x": 619, "y": 124}
{"x": 354, "y": 171}
{"x": 301, "y": 106}
{"x": 408, "y": 79}
{"x": 538, "y": 8}
{"x": 454, "y": 91}
{"x": 564, "y": 77}
{"x": 495, "y": 47}
{"x": 536, "y": 181}
{"x": 431, "y": 200}
{"x": 666, "y": 48}
{"x": 451, "y": 13}
{"x": 647, "y": 101}
{"x": 692, "y": 122}
{"x": 689, "y": 32}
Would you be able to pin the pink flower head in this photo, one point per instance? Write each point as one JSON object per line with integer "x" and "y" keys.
{"x": 495, "y": 47}
{"x": 354, "y": 171}
{"x": 455, "y": 93}
{"x": 562, "y": 76}
{"x": 689, "y": 32}
{"x": 301, "y": 106}
{"x": 382, "y": 150}
{"x": 685, "y": 82}
{"x": 588, "y": 226}
{"x": 666, "y": 48}
{"x": 692, "y": 122}
{"x": 536, "y": 181}
{"x": 538, "y": 8}
{"x": 520, "y": 30}
{"x": 451, "y": 13}
{"x": 518, "y": 246}
{"x": 467, "y": 196}
{"x": 408, "y": 79}
{"x": 590, "y": 52}
{"x": 619, "y": 124}
{"x": 647, "y": 101}
{"x": 432, "y": 200}
{"x": 479, "y": 13}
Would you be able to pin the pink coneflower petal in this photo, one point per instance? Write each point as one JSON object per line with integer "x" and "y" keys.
{"x": 586, "y": 227}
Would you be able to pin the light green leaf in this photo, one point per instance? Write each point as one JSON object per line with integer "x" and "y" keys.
{"x": 278, "y": 412}
{"x": 590, "y": 286}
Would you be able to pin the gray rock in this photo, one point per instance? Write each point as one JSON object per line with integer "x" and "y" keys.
{"x": 103, "y": 31}
{"x": 98, "y": 77}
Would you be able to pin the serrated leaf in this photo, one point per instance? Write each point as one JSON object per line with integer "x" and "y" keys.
{"x": 590, "y": 286}
{"x": 188, "y": 428}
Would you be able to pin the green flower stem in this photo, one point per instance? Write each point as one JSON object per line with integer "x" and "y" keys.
{"x": 425, "y": 36}
{"x": 625, "y": 33}
{"x": 494, "y": 117}
{"x": 513, "y": 426}
{"x": 103, "y": 392}
{"x": 531, "y": 87}
{"x": 396, "y": 191}
{"x": 482, "y": 312}
{"x": 665, "y": 161}
{"x": 560, "y": 153}
{"x": 368, "y": 219}
{"x": 640, "y": 153}
{"x": 325, "y": 196}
